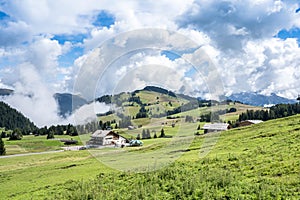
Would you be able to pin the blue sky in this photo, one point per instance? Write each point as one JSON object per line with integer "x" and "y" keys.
{"x": 3, "y": 16}
{"x": 251, "y": 43}
{"x": 292, "y": 33}
{"x": 104, "y": 19}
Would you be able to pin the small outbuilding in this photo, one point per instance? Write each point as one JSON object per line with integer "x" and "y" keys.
{"x": 249, "y": 122}
{"x": 215, "y": 127}
{"x": 105, "y": 138}
{"x": 131, "y": 127}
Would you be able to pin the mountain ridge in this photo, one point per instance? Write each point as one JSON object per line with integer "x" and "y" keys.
{"x": 256, "y": 99}
{"x": 68, "y": 102}
{"x": 5, "y": 92}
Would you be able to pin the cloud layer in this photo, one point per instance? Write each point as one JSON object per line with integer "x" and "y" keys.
{"x": 45, "y": 45}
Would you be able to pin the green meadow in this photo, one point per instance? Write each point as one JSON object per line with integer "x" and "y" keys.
{"x": 256, "y": 162}
{"x": 33, "y": 144}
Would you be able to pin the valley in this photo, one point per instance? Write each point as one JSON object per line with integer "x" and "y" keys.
{"x": 260, "y": 161}
{"x": 243, "y": 161}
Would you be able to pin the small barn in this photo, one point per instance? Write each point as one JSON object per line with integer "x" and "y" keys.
{"x": 105, "y": 138}
{"x": 249, "y": 122}
{"x": 131, "y": 127}
{"x": 215, "y": 127}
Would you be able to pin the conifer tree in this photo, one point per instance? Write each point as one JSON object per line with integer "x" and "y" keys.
{"x": 2, "y": 147}
{"x": 50, "y": 135}
{"x": 148, "y": 134}
{"x": 138, "y": 137}
{"x": 144, "y": 135}
{"x": 162, "y": 133}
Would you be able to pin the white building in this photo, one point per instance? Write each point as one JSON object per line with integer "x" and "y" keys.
{"x": 215, "y": 127}
{"x": 106, "y": 137}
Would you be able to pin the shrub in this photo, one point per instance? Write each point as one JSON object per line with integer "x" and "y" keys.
{"x": 16, "y": 135}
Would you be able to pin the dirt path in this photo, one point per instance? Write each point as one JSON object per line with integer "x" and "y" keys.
{"x": 29, "y": 154}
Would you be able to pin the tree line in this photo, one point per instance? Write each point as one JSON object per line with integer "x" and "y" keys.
{"x": 146, "y": 134}
{"x": 17, "y": 133}
{"x": 277, "y": 111}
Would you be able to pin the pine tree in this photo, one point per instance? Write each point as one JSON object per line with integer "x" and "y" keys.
{"x": 50, "y": 135}
{"x": 144, "y": 135}
{"x": 155, "y": 136}
{"x": 73, "y": 131}
{"x": 148, "y": 134}
{"x": 198, "y": 127}
{"x": 138, "y": 137}
{"x": 162, "y": 133}
{"x": 2, "y": 147}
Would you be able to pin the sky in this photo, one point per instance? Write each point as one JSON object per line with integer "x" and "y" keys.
{"x": 97, "y": 47}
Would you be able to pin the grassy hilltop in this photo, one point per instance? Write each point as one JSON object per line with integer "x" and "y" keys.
{"x": 257, "y": 162}
{"x": 154, "y": 103}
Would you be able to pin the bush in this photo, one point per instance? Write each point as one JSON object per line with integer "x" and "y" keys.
{"x": 50, "y": 135}
{"x": 232, "y": 110}
{"x": 3, "y": 134}
{"x": 16, "y": 135}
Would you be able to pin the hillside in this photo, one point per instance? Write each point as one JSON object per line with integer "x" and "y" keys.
{"x": 256, "y": 162}
{"x": 10, "y": 118}
{"x": 153, "y": 102}
{"x": 67, "y": 103}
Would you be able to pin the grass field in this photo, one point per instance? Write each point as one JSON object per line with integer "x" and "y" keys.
{"x": 256, "y": 162}
{"x": 24, "y": 177}
{"x": 31, "y": 144}
{"x": 228, "y": 116}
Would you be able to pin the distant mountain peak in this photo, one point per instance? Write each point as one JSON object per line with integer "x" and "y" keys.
{"x": 68, "y": 103}
{"x": 5, "y": 92}
{"x": 257, "y": 99}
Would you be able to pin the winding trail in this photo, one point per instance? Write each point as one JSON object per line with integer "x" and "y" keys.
{"x": 29, "y": 154}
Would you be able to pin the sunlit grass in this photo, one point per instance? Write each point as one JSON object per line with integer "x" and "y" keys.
{"x": 256, "y": 162}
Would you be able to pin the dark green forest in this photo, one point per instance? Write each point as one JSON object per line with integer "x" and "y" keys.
{"x": 277, "y": 111}
{"x": 11, "y": 119}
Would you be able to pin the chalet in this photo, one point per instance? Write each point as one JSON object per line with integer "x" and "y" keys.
{"x": 105, "y": 138}
{"x": 215, "y": 127}
{"x": 249, "y": 122}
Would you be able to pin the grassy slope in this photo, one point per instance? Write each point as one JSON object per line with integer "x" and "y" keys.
{"x": 228, "y": 116}
{"x": 22, "y": 177}
{"x": 256, "y": 162}
{"x": 30, "y": 144}
{"x": 156, "y": 106}
{"x": 155, "y": 123}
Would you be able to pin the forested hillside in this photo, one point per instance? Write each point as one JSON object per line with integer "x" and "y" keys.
{"x": 277, "y": 111}
{"x": 10, "y": 118}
